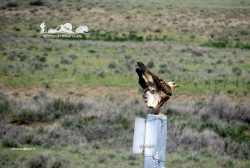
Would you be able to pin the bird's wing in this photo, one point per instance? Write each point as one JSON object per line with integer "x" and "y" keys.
{"x": 155, "y": 99}
{"x": 146, "y": 78}
{"x": 142, "y": 82}
{"x": 164, "y": 98}
{"x": 163, "y": 86}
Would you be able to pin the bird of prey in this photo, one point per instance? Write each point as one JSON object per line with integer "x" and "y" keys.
{"x": 156, "y": 91}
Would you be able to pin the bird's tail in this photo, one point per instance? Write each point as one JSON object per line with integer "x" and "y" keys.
{"x": 142, "y": 66}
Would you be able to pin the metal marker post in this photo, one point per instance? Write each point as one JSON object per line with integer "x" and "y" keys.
{"x": 150, "y": 137}
{"x": 155, "y": 141}
{"x": 139, "y": 134}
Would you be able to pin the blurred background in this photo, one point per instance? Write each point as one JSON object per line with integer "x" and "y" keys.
{"x": 75, "y": 100}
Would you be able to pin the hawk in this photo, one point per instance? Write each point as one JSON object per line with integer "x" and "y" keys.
{"x": 156, "y": 91}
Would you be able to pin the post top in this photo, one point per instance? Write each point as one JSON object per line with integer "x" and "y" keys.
{"x": 159, "y": 116}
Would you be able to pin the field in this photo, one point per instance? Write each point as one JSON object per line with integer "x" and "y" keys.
{"x": 73, "y": 101}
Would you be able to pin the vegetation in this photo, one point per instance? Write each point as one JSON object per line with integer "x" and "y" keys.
{"x": 72, "y": 101}
{"x": 194, "y": 131}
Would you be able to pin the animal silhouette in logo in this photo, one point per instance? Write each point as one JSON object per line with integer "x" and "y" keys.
{"x": 42, "y": 26}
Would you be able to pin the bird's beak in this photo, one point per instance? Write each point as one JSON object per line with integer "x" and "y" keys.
{"x": 176, "y": 85}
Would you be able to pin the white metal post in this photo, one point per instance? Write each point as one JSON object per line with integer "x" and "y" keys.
{"x": 150, "y": 137}
{"x": 155, "y": 141}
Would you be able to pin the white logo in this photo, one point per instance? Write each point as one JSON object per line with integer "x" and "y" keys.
{"x": 64, "y": 30}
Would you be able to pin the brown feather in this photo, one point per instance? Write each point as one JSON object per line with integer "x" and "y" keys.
{"x": 163, "y": 85}
{"x": 154, "y": 84}
{"x": 163, "y": 100}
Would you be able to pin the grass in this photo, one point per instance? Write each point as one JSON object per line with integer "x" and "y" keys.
{"x": 198, "y": 144}
{"x": 91, "y": 157}
{"x": 92, "y": 67}
{"x": 75, "y": 100}
{"x": 122, "y": 24}
{"x": 226, "y": 44}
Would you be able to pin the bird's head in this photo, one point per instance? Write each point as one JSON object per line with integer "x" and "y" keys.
{"x": 173, "y": 85}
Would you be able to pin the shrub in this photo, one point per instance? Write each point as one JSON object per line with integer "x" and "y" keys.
{"x": 102, "y": 73}
{"x": 221, "y": 107}
{"x": 112, "y": 65}
{"x": 92, "y": 51}
{"x": 217, "y": 44}
{"x": 10, "y": 132}
{"x": 40, "y": 130}
{"x": 65, "y": 61}
{"x": 12, "y": 56}
{"x": 183, "y": 138}
{"x": 72, "y": 56}
{"x": 163, "y": 69}
{"x": 12, "y": 5}
{"x": 42, "y": 59}
{"x": 63, "y": 137}
{"x": 242, "y": 112}
{"x": 99, "y": 132}
{"x": 38, "y": 66}
{"x": 39, "y": 161}
{"x": 37, "y": 141}
{"x": 63, "y": 107}
{"x": 45, "y": 160}
{"x": 67, "y": 122}
{"x": 226, "y": 162}
{"x": 26, "y": 138}
{"x": 210, "y": 71}
{"x": 36, "y": 3}
{"x": 197, "y": 53}
{"x": 25, "y": 116}
{"x": 4, "y": 103}
{"x": 150, "y": 64}
{"x": 134, "y": 37}
{"x": 9, "y": 143}
{"x": 122, "y": 121}
{"x": 157, "y": 30}
{"x": 57, "y": 66}
{"x": 101, "y": 159}
{"x": 237, "y": 71}
{"x": 56, "y": 162}
{"x": 23, "y": 57}
{"x": 230, "y": 62}
{"x": 108, "y": 37}
{"x": 237, "y": 150}
{"x": 42, "y": 109}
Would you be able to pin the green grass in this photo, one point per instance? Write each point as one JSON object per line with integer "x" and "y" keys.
{"x": 193, "y": 160}
{"x": 203, "y": 45}
{"x": 91, "y": 67}
{"x": 90, "y": 157}
{"x": 84, "y": 157}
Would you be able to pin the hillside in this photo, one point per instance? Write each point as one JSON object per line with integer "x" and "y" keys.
{"x": 73, "y": 101}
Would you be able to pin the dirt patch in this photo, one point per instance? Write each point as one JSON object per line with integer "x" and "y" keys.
{"x": 35, "y": 125}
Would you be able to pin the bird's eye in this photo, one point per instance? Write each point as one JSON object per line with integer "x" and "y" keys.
{"x": 173, "y": 83}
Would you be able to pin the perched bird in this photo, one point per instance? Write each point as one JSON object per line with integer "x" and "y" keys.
{"x": 156, "y": 91}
